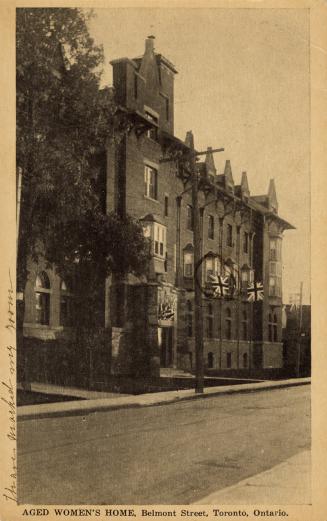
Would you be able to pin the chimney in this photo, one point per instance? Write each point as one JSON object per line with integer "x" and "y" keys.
{"x": 149, "y": 43}
{"x": 189, "y": 140}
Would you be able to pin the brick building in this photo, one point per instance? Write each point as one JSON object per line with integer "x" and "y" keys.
{"x": 149, "y": 321}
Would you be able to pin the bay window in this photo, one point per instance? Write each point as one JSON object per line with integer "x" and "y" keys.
{"x": 157, "y": 233}
{"x": 275, "y": 267}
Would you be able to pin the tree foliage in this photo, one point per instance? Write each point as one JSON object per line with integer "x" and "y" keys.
{"x": 63, "y": 123}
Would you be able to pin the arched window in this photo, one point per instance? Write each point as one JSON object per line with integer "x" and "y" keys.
{"x": 245, "y": 360}
{"x": 244, "y": 325}
{"x": 189, "y": 318}
{"x": 66, "y": 304}
{"x": 209, "y": 321}
{"x": 42, "y": 298}
{"x": 211, "y": 227}
{"x": 228, "y": 324}
{"x": 210, "y": 360}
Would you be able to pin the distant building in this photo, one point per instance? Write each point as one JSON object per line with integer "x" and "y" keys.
{"x": 149, "y": 322}
{"x": 297, "y": 341}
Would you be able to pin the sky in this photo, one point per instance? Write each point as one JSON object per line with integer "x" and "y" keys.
{"x": 243, "y": 84}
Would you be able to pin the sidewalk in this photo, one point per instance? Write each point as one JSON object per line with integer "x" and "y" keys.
{"x": 289, "y": 483}
{"x": 114, "y": 402}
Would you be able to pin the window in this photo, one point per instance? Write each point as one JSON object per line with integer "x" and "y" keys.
{"x": 210, "y": 360}
{"x": 228, "y": 324}
{"x": 275, "y": 279}
{"x": 245, "y": 360}
{"x": 167, "y": 108}
{"x": 42, "y": 299}
{"x": 152, "y": 132}
{"x": 189, "y": 318}
{"x": 135, "y": 86}
{"x": 229, "y": 236}
{"x": 273, "y": 249}
{"x": 188, "y": 264}
{"x": 247, "y": 276}
{"x": 189, "y": 222}
{"x": 159, "y": 240}
{"x": 231, "y": 271}
{"x": 210, "y": 268}
{"x": 275, "y": 330}
{"x": 272, "y": 327}
{"x": 211, "y": 227}
{"x": 166, "y": 205}
{"x": 229, "y": 360}
{"x": 246, "y": 242}
{"x": 157, "y": 234}
{"x": 150, "y": 182}
{"x": 66, "y": 305}
{"x": 244, "y": 326}
{"x": 209, "y": 321}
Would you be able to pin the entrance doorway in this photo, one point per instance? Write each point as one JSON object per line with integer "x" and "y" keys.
{"x": 166, "y": 346}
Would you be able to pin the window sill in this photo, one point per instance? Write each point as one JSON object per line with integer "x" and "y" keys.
{"x": 150, "y": 199}
{"x": 152, "y": 140}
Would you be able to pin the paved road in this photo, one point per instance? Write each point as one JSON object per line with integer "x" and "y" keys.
{"x": 171, "y": 454}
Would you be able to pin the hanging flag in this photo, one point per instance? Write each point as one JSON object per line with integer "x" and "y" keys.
{"x": 255, "y": 291}
{"x": 219, "y": 284}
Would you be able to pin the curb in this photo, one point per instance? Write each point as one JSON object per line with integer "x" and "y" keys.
{"x": 264, "y": 486}
{"x": 83, "y": 407}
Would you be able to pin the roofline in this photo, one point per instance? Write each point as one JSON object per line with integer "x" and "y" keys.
{"x": 124, "y": 59}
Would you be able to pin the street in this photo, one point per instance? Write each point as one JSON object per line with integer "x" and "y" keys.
{"x": 170, "y": 454}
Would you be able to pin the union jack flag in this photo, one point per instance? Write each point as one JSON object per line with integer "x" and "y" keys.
{"x": 255, "y": 291}
{"x": 219, "y": 284}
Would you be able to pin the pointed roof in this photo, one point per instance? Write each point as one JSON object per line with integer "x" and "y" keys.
{"x": 229, "y": 181}
{"x": 245, "y": 185}
{"x": 189, "y": 139}
{"x": 148, "y": 68}
{"x": 210, "y": 162}
{"x": 272, "y": 196}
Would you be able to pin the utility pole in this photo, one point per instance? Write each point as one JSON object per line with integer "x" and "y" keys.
{"x": 197, "y": 273}
{"x": 198, "y": 311}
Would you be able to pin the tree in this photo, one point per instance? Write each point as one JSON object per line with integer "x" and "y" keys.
{"x": 63, "y": 123}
